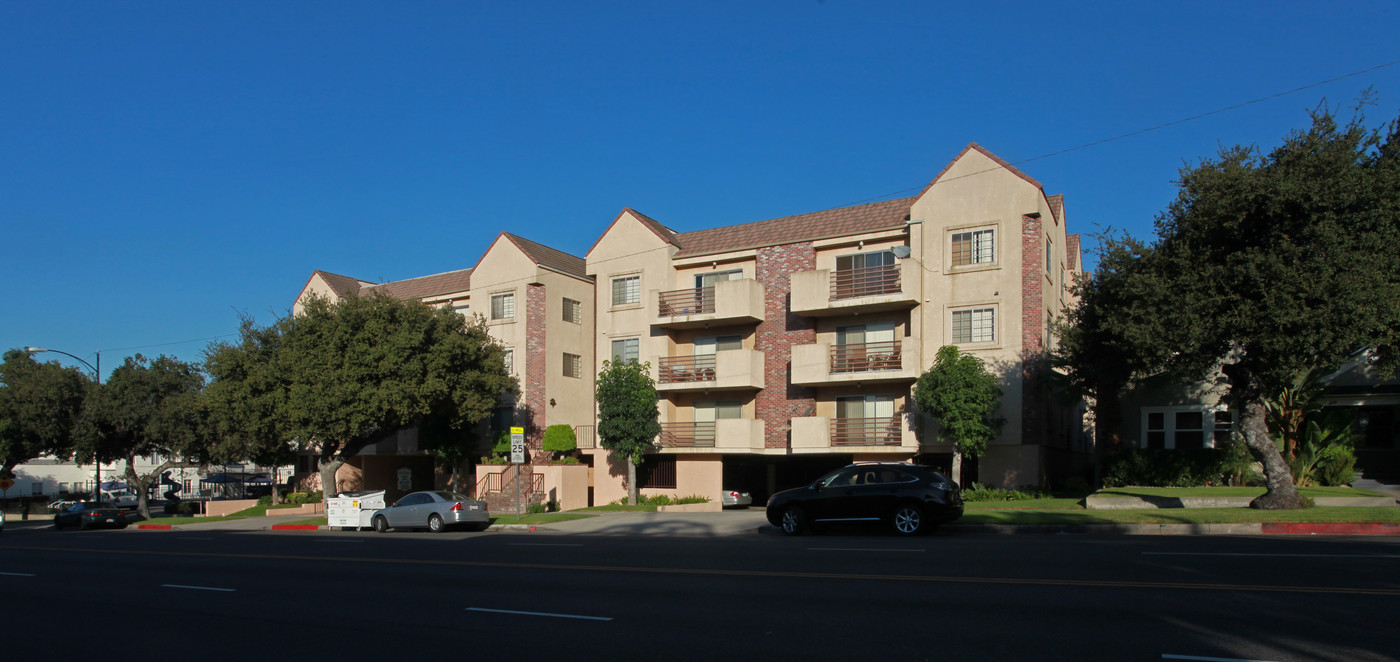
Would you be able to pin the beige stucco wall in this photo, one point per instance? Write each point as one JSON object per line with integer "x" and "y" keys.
{"x": 566, "y": 484}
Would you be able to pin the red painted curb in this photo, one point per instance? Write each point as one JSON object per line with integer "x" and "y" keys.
{"x": 294, "y": 527}
{"x": 160, "y": 527}
{"x": 1333, "y": 528}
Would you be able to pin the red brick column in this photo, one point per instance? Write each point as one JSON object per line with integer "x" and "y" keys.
{"x": 536, "y": 371}
{"x": 1032, "y": 326}
{"x": 779, "y": 400}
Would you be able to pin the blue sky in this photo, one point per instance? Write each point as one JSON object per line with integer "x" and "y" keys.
{"x": 166, "y": 166}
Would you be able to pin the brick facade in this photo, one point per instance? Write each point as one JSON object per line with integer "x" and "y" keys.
{"x": 779, "y": 401}
{"x": 1032, "y": 328}
{"x": 536, "y": 371}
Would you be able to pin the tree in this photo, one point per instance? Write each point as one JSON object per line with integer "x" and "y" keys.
{"x": 559, "y": 439}
{"x": 627, "y": 415}
{"x": 40, "y": 406}
{"x": 147, "y": 408}
{"x": 963, "y": 396}
{"x": 342, "y": 375}
{"x": 1269, "y": 266}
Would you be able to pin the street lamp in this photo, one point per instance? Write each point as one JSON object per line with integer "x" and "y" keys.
{"x": 96, "y": 373}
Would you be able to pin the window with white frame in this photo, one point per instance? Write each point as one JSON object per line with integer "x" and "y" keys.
{"x": 626, "y": 290}
{"x": 573, "y": 365}
{"x": 503, "y": 306}
{"x": 510, "y": 361}
{"x": 1186, "y": 427}
{"x": 626, "y": 349}
{"x": 573, "y": 311}
{"x": 974, "y": 325}
{"x": 974, "y": 247}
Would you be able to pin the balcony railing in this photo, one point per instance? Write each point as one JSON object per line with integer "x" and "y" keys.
{"x": 865, "y": 281}
{"x": 685, "y": 369}
{"x": 694, "y": 301}
{"x": 866, "y": 357}
{"x": 687, "y": 435}
{"x": 583, "y": 434}
{"x": 868, "y": 431}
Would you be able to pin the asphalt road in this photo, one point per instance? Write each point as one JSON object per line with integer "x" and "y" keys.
{"x": 854, "y": 595}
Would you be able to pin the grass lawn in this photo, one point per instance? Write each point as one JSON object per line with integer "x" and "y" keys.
{"x": 612, "y": 508}
{"x": 260, "y": 511}
{"x": 1028, "y": 504}
{"x": 1178, "y": 516}
{"x": 538, "y": 518}
{"x": 1312, "y": 492}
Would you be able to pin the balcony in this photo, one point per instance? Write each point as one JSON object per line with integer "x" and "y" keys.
{"x": 727, "y": 435}
{"x": 826, "y": 364}
{"x": 820, "y": 434}
{"x": 824, "y": 292}
{"x": 729, "y": 370}
{"x": 727, "y": 303}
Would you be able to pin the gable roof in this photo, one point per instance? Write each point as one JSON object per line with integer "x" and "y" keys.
{"x": 343, "y": 286}
{"x": 1057, "y": 206}
{"x": 872, "y": 217}
{"x": 549, "y": 258}
{"x": 662, "y": 232}
{"x": 983, "y": 151}
{"x": 426, "y": 286}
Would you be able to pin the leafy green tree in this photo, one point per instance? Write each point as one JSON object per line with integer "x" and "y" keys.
{"x": 559, "y": 439}
{"x": 450, "y": 446}
{"x": 147, "y": 408}
{"x": 963, "y": 396}
{"x": 628, "y": 418}
{"x": 1267, "y": 266}
{"x": 342, "y": 375}
{"x": 40, "y": 406}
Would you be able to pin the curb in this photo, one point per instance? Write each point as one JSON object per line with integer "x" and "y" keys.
{"x": 1335, "y": 528}
{"x": 154, "y": 527}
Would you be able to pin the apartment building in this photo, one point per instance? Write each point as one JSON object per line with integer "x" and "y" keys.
{"x": 538, "y": 303}
{"x": 786, "y": 347}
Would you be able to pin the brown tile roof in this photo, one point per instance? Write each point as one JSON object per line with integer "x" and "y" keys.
{"x": 1057, "y": 206}
{"x": 996, "y": 159}
{"x": 549, "y": 258}
{"x": 426, "y": 286}
{"x": 343, "y": 286}
{"x": 1073, "y": 251}
{"x": 802, "y": 227}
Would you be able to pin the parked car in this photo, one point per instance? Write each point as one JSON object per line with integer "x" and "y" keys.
{"x": 89, "y": 515}
{"x": 433, "y": 510}
{"x": 736, "y": 498}
{"x": 912, "y": 498}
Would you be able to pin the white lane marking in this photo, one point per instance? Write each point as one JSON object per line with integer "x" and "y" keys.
{"x": 538, "y": 613}
{"x": 1207, "y": 659}
{"x": 199, "y": 588}
{"x": 18, "y": 574}
{"x": 1305, "y": 556}
{"x": 545, "y": 544}
{"x": 859, "y": 549}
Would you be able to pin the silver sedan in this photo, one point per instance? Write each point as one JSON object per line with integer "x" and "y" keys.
{"x": 435, "y": 511}
{"x": 735, "y": 498}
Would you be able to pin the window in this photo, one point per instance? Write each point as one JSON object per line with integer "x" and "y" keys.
{"x": 976, "y": 247}
{"x": 626, "y": 349}
{"x": 976, "y": 325}
{"x": 464, "y": 309}
{"x": 573, "y": 311}
{"x": 503, "y": 306}
{"x": 510, "y": 361}
{"x": 626, "y": 290}
{"x": 657, "y": 472}
{"x": 709, "y": 280}
{"x": 865, "y": 274}
{"x": 1048, "y": 259}
{"x": 1186, "y": 427}
{"x": 37, "y": 488}
{"x": 573, "y": 365}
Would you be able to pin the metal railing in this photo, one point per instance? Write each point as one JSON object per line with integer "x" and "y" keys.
{"x": 868, "y": 431}
{"x": 865, "y": 281}
{"x": 682, "y": 369}
{"x": 494, "y": 483}
{"x": 687, "y": 435}
{"x": 694, "y": 301}
{"x": 866, "y": 357}
{"x": 585, "y": 436}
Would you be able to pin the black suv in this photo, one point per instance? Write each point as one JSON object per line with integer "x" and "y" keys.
{"x": 914, "y": 499}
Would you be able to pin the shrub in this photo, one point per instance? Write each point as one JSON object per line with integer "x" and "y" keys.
{"x": 265, "y": 501}
{"x": 537, "y": 508}
{"x": 559, "y": 439}
{"x": 1157, "y": 467}
{"x": 494, "y": 460}
{"x": 568, "y": 460}
{"x": 304, "y": 497}
{"x": 1336, "y": 465}
{"x": 694, "y": 498}
{"x": 979, "y": 492}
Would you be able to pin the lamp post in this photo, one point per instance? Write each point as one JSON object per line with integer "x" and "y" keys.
{"x": 97, "y": 374}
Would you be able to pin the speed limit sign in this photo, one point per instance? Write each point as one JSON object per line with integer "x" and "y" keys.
{"x": 517, "y": 445}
